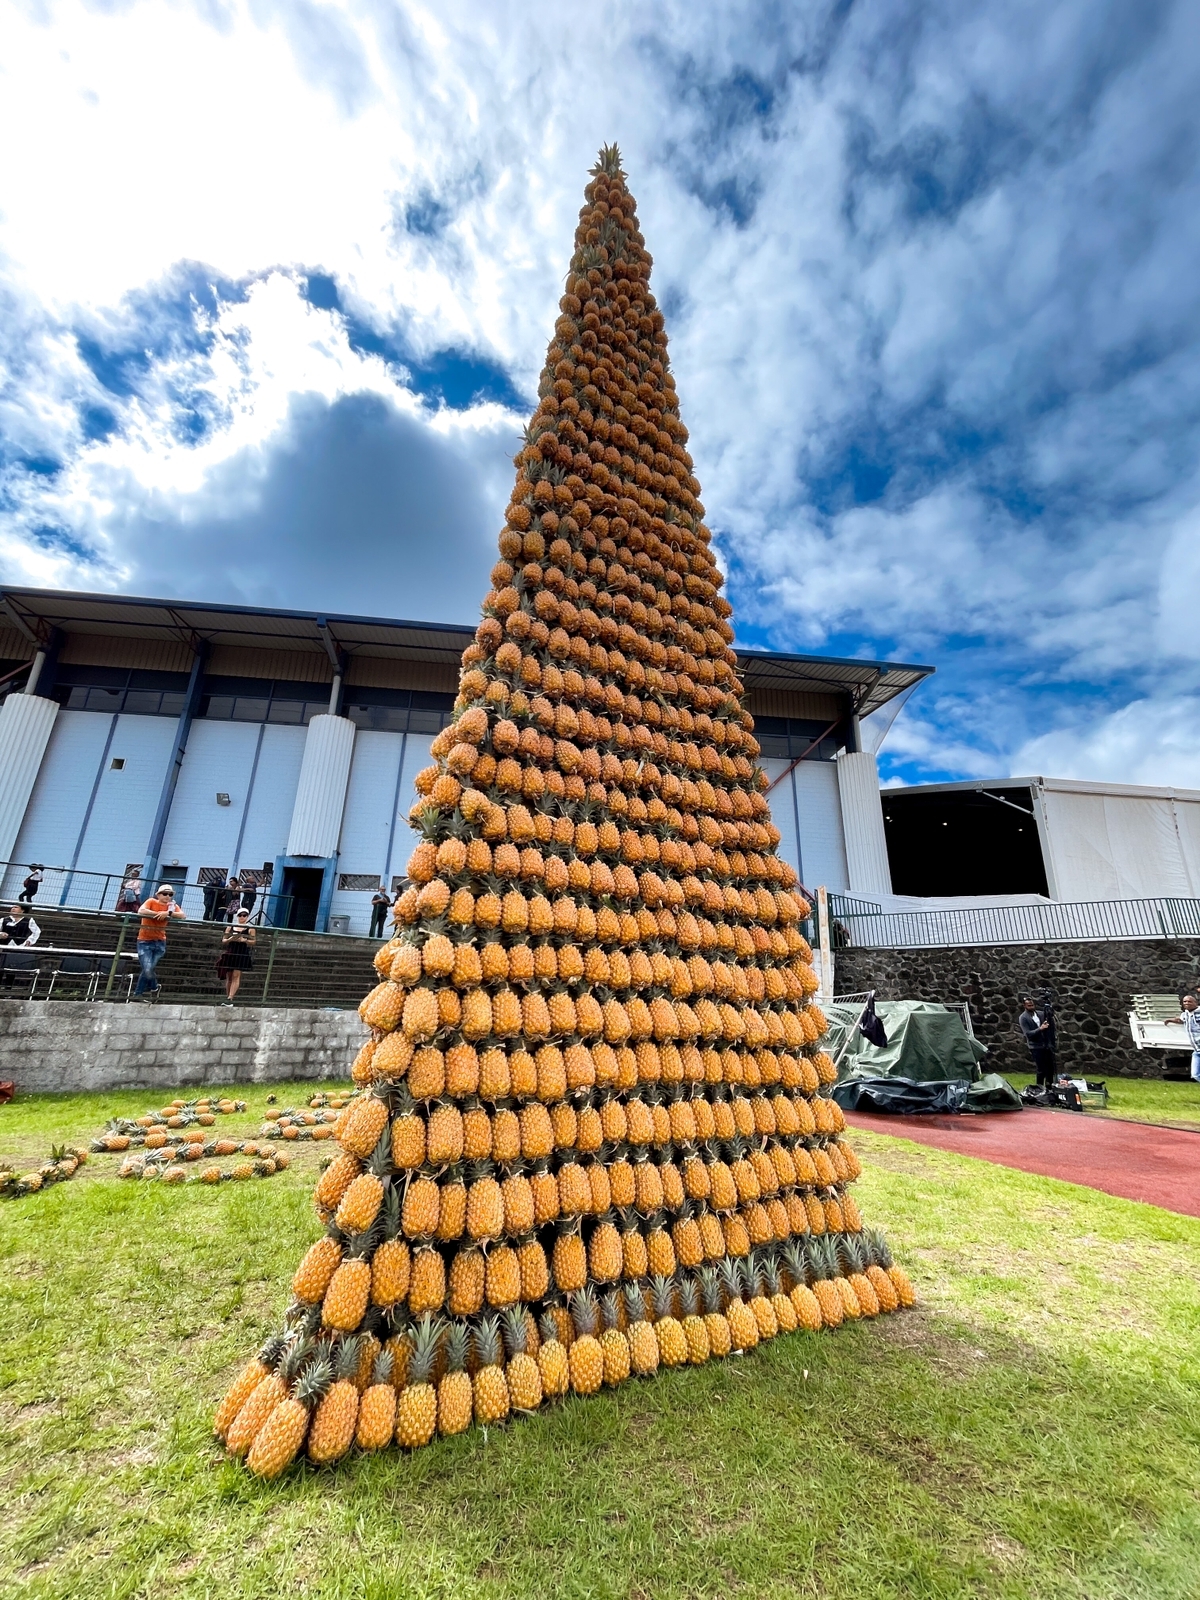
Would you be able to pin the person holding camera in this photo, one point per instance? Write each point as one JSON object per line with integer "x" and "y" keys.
{"x": 237, "y": 952}
{"x": 1038, "y": 1028}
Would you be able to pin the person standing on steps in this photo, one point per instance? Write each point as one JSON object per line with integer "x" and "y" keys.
{"x": 380, "y": 902}
{"x": 237, "y": 953}
{"x": 152, "y": 936}
{"x": 1189, "y": 1017}
{"x": 30, "y": 887}
{"x": 1038, "y": 1028}
{"x": 130, "y": 896}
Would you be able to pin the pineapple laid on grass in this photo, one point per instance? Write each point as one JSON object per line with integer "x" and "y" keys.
{"x": 591, "y": 1134}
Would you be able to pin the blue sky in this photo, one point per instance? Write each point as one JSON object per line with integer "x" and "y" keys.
{"x": 276, "y": 281}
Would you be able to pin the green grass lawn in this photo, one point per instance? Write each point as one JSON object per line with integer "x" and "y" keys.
{"x": 1032, "y": 1430}
{"x": 1142, "y": 1099}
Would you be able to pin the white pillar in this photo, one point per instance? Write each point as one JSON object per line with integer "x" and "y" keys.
{"x": 321, "y": 793}
{"x": 862, "y": 823}
{"x": 26, "y": 721}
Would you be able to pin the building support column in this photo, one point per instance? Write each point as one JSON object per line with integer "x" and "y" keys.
{"x": 316, "y": 829}
{"x": 191, "y": 704}
{"x": 862, "y": 823}
{"x": 26, "y": 723}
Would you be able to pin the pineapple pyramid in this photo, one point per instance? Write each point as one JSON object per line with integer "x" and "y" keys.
{"x": 591, "y": 1140}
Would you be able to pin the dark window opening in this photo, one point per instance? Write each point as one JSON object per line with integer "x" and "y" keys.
{"x": 788, "y": 738}
{"x": 963, "y": 842}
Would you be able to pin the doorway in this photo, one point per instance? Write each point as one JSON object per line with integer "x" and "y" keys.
{"x": 301, "y": 891}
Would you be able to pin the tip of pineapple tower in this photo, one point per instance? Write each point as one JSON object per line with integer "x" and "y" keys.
{"x": 608, "y": 162}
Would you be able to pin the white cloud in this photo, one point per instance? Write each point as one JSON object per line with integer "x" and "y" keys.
{"x": 1148, "y": 741}
{"x": 929, "y": 276}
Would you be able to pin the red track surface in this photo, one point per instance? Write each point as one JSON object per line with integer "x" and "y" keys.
{"x": 1130, "y": 1159}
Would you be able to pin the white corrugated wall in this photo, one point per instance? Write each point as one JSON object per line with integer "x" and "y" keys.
{"x": 321, "y": 792}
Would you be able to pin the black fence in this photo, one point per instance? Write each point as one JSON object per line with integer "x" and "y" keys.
{"x": 93, "y": 956}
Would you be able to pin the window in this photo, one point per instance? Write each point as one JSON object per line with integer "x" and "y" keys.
{"x": 360, "y": 882}
{"x": 117, "y": 764}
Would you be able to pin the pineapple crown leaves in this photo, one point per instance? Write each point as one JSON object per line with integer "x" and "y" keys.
{"x": 381, "y": 1371}
{"x": 346, "y": 1359}
{"x": 548, "y": 1328}
{"x": 635, "y": 1302}
{"x": 796, "y": 1260}
{"x": 689, "y": 1296}
{"x": 457, "y": 1346}
{"x": 488, "y": 1344}
{"x": 878, "y": 1246}
{"x": 610, "y": 1308}
{"x": 271, "y": 1352}
{"x": 585, "y": 1313}
{"x": 516, "y": 1334}
{"x": 730, "y": 1278}
{"x": 426, "y": 1338}
{"x": 314, "y": 1382}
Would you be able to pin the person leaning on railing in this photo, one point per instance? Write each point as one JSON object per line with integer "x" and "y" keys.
{"x": 237, "y": 953}
{"x": 19, "y": 928}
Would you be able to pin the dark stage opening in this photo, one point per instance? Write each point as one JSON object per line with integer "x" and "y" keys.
{"x": 962, "y": 842}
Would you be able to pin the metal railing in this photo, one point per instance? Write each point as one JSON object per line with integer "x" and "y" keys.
{"x": 90, "y": 956}
{"x": 1046, "y": 922}
{"x": 72, "y": 889}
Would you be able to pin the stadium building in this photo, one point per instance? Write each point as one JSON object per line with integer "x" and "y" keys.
{"x": 193, "y": 741}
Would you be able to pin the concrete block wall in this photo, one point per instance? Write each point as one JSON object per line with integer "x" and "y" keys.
{"x": 1094, "y": 983}
{"x": 65, "y": 1045}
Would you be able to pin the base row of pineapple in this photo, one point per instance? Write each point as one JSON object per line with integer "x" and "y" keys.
{"x": 407, "y": 1381}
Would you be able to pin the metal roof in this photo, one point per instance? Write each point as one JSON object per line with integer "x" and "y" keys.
{"x": 869, "y": 684}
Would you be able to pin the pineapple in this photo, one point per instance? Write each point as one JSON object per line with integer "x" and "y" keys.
{"x": 833, "y": 1312}
{"x": 905, "y": 1292}
{"x": 417, "y": 1403}
{"x": 743, "y": 1325}
{"x": 720, "y": 1339}
{"x": 853, "y": 1256}
{"x": 334, "y": 1421}
{"x": 455, "y": 1398}
{"x": 672, "y": 1342}
{"x": 553, "y": 1365}
{"x": 244, "y": 1385}
{"x": 643, "y": 1346}
{"x": 278, "y": 1441}
{"x": 524, "y": 1378}
{"x": 805, "y": 1303}
{"x": 585, "y": 1357}
{"x": 491, "y": 1388}
{"x": 694, "y": 1329}
{"x": 785, "y": 1311}
{"x": 317, "y": 1269}
{"x": 360, "y": 1204}
{"x": 345, "y": 1300}
{"x": 760, "y": 1306}
{"x": 614, "y": 1347}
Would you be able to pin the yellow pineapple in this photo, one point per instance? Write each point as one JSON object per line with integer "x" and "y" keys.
{"x": 455, "y": 1397}
{"x": 521, "y": 1371}
{"x": 417, "y": 1402}
{"x": 492, "y": 1399}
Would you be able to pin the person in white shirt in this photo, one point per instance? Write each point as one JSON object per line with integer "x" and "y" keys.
{"x": 1189, "y": 1017}
{"x": 19, "y": 928}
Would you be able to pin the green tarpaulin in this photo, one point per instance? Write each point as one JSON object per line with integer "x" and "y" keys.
{"x": 927, "y": 1043}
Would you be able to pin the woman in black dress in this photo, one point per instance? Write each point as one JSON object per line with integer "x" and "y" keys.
{"x": 237, "y": 953}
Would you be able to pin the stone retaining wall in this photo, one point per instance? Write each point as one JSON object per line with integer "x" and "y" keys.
{"x": 1094, "y": 984}
{"x": 69, "y": 1045}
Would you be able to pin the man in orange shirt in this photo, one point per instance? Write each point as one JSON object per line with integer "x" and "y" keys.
{"x": 152, "y": 936}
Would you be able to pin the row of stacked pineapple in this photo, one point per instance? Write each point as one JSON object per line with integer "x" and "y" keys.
{"x": 328, "y": 1393}
{"x": 592, "y": 1087}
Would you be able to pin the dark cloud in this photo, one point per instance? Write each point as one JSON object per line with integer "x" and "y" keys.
{"x": 359, "y": 506}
